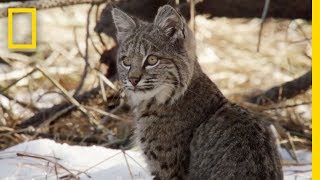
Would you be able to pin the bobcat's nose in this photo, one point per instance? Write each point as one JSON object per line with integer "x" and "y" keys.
{"x": 134, "y": 80}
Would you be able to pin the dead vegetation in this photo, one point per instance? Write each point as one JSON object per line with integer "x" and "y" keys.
{"x": 60, "y": 90}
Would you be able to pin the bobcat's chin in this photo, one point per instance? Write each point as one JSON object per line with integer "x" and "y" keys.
{"x": 162, "y": 94}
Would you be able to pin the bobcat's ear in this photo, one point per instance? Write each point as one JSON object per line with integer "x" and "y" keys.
{"x": 170, "y": 21}
{"x": 123, "y": 22}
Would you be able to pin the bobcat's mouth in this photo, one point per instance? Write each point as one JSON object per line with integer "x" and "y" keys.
{"x": 141, "y": 88}
{"x": 161, "y": 93}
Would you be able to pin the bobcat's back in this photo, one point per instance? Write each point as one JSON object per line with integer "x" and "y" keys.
{"x": 234, "y": 143}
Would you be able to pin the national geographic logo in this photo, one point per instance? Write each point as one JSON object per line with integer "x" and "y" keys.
{"x": 33, "y": 12}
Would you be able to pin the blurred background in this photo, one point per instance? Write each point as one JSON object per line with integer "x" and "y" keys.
{"x": 258, "y": 53}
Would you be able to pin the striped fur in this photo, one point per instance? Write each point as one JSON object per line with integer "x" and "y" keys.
{"x": 186, "y": 128}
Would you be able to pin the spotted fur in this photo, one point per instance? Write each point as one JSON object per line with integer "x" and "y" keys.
{"x": 186, "y": 128}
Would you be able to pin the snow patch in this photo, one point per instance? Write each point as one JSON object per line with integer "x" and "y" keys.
{"x": 30, "y": 160}
{"x": 86, "y": 162}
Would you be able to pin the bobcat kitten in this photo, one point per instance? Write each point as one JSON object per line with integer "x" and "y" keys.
{"x": 186, "y": 128}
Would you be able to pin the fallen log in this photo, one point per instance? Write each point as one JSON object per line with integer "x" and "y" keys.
{"x": 284, "y": 91}
{"x": 57, "y": 111}
{"x": 147, "y": 9}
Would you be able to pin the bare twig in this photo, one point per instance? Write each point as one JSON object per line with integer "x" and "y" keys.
{"x": 106, "y": 113}
{"x": 46, "y": 93}
{"x": 76, "y": 41}
{"x": 273, "y": 107}
{"x": 260, "y": 108}
{"x": 290, "y": 163}
{"x": 301, "y": 41}
{"x": 101, "y": 40}
{"x": 13, "y": 131}
{"x": 93, "y": 44}
{"x": 293, "y": 149}
{"x": 125, "y": 158}
{"x": 106, "y": 80}
{"x": 103, "y": 90}
{"x": 137, "y": 162}
{"x": 192, "y": 15}
{"x": 97, "y": 21}
{"x": 263, "y": 18}
{"x": 16, "y": 81}
{"x": 70, "y": 98}
{"x": 303, "y": 33}
{"x": 99, "y": 163}
{"x": 86, "y": 55}
{"x": 50, "y": 161}
{"x": 56, "y": 171}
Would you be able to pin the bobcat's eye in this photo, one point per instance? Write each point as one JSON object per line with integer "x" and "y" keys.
{"x": 152, "y": 60}
{"x": 126, "y": 62}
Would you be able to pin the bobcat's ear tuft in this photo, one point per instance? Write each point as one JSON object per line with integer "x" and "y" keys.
{"x": 123, "y": 22}
{"x": 170, "y": 21}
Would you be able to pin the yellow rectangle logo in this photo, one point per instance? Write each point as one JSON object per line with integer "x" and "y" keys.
{"x": 33, "y": 44}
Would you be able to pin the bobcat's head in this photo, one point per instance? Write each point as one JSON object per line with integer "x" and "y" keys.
{"x": 155, "y": 60}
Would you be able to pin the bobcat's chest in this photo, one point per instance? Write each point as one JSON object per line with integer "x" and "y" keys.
{"x": 166, "y": 147}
